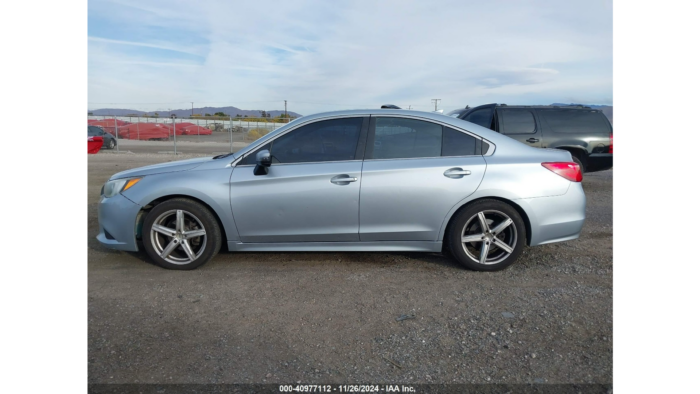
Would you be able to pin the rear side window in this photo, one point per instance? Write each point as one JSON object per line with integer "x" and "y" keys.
{"x": 482, "y": 117}
{"x": 399, "y": 138}
{"x": 576, "y": 121}
{"x": 514, "y": 121}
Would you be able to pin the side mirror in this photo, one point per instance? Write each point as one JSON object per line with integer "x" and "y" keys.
{"x": 264, "y": 161}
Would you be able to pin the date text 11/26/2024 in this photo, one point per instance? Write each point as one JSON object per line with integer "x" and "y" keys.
{"x": 346, "y": 388}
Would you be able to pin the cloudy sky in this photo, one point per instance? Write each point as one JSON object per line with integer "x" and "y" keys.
{"x": 330, "y": 55}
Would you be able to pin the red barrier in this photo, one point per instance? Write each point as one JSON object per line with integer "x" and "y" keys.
{"x": 197, "y": 130}
{"x": 106, "y": 122}
{"x": 144, "y": 131}
{"x": 94, "y": 144}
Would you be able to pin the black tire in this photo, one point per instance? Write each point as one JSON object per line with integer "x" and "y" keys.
{"x": 196, "y": 217}
{"x": 495, "y": 212}
{"x": 111, "y": 144}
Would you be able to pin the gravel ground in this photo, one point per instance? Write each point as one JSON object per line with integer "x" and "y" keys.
{"x": 332, "y": 317}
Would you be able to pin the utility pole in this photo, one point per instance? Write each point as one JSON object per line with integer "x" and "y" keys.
{"x": 436, "y": 102}
{"x": 285, "y": 109}
{"x": 192, "y": 107}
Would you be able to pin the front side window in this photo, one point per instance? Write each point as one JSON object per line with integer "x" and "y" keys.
{"x": 94, "y": 131}
{"x": 515, "y": 121}
{"x": 482, "y": 117}
{"x": 328, "y": 140}
{"x": 399, "y": 138}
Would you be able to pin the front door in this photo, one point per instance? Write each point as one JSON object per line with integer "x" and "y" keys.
{"x": 311, "y": 191}
{"x": 414, "y": 173}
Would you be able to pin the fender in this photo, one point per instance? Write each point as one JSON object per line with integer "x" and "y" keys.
{"x": 209, "y": 185}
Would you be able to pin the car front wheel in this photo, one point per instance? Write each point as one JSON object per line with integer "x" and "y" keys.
{"x": 181, "y": 234}
{"x": 111, "y": 144}
{"x": 488, "y": 235}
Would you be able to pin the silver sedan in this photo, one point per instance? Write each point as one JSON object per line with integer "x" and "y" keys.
{"x": 361, "y": 180}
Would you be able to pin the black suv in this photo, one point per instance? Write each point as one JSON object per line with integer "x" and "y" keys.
{"x": 108, "y": 140}
{"x": 583, "y": 131}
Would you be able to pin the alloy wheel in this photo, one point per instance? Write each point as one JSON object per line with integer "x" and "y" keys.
{"x": 489, "y": 237}
{"x": 178, "y": 236}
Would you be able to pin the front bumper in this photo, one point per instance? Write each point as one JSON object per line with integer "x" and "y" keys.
{"x": 117, "y": 220}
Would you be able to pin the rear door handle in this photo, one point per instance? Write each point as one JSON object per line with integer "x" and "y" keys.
{"x": 343, "y": 179}
{"x": 532, "y": 140}
{"x": 456, "y": 173}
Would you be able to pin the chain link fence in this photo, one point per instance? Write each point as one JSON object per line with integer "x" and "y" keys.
{"x": 203, "y": 136}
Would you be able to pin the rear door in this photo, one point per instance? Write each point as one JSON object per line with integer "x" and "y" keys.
{"x": 414, "y": 172}
{"x": 519, "y": 124}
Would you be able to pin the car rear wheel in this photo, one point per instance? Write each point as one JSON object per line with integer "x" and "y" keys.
{"x": 111, "y": 144}
{"x": 488, "y": 235}
{"x": 181, "y": 234}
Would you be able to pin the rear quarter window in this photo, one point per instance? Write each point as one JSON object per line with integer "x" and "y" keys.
{"x": 576, "y": 121}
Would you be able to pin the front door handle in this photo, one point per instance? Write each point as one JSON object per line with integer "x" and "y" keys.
{"x": 456, "y": 173}
{"x": 532, "y": 140}
{"x": 343, "y": 179}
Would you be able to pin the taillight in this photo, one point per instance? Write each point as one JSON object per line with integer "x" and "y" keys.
{"x": 612, "y": 143}
{"x": 610, "y": 150}
{"x": 568, "y": 170}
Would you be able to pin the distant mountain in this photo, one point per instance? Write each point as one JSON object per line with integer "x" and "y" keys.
{"x": 606, "y": 109}
{"x": 184, "y": 113}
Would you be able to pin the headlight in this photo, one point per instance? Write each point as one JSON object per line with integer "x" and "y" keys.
{"x": 111, "y": 188}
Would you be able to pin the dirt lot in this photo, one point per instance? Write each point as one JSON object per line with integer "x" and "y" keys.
{"x": 331, "y": 317}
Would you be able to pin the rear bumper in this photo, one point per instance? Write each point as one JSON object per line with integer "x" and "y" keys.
{"x": 117, "y": 220}
{"x": 599, "y": 162}
{"x": 557, "y": 218}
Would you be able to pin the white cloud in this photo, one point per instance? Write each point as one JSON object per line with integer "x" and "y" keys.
{"x": 333, "y": 55}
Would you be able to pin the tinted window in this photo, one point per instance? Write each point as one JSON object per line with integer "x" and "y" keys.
{"x": 456, "y": 143}
{"x": 515, "y": 121}
{"x": 397, "y": 138}
{"x": 329, "y": 140}
{"x": 482, "y": 117}
{"x": 94, "y": 131}
{"x": 250, "y": 159}
{"x": 575, "y": 121}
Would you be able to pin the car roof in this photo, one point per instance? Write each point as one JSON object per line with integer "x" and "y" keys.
{"x": 580, "y": 107}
